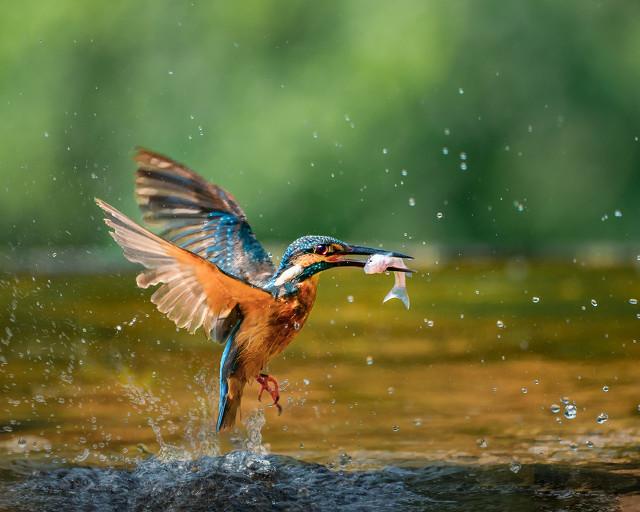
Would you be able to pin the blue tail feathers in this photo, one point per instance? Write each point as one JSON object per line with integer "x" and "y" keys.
{"x": 228, "y": 363}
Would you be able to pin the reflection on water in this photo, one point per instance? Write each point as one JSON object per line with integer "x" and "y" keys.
{"x": 503, "y": 378}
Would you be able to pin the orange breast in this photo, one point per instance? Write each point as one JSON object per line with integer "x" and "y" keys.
{"x": 266, "y": 332}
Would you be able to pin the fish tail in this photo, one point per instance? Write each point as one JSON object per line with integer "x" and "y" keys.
{"x": 398, "y": 292}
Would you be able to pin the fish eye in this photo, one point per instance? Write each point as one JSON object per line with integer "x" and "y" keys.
{"x": 322, "y": 249}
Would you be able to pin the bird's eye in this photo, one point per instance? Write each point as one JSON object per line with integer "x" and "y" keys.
{"x": 321, "y": 249}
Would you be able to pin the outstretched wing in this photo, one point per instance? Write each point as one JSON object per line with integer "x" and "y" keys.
{"x": 194, "y": 292}
{"x": 200, "y": 217}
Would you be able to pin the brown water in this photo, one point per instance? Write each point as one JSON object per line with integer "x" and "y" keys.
{"x": 92, "y": 375}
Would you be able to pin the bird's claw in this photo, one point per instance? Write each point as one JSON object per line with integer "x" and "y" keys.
{"x": 264, "y": 380}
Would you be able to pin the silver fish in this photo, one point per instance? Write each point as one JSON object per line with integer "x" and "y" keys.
{"x": 378, "y": 263}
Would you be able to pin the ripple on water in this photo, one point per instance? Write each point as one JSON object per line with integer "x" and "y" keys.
{"x": 243, "y": 480}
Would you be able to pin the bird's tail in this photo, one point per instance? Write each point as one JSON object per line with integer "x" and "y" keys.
{"x": 229, "y": 403}
{"x": 231, "y": 385}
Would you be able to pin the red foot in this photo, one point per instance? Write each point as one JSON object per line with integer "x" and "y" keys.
{"x": 264, "y": 380}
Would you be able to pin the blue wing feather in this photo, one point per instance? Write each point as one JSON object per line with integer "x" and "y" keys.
{"x": 200, "y": 217}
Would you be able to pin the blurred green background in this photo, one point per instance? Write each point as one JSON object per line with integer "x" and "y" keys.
{"x": 350, "y": 118}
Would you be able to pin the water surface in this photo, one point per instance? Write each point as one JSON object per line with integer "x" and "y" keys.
{"x": 508, "y": 382}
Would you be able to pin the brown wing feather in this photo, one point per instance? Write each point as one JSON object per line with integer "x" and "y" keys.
{"x": 194, "y": 291}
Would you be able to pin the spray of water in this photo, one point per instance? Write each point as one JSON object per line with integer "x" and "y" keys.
{"x": 254, "y": 424}
{"x": 199, "y": 436}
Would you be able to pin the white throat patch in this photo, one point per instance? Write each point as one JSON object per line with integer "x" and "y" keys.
{"x": 288, "y": 275}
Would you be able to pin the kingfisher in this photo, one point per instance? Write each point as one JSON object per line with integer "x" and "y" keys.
{"x": 212, "y": 272}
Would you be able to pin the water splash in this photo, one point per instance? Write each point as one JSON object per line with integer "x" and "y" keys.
{"x": 199, "y": 438}
{"x": 199, "y": 432}
{"x": 254, "y": 424}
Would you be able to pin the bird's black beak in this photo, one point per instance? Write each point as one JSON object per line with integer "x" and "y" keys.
{"x": 341, "y": 258}
{"x": 368, "y": 251}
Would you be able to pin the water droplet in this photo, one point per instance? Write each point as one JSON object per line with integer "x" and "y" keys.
{"x": 306, "y": 382}
{"x": 412, "y": 201}
{"x": 391, "y": 390}
{"x": 460, "y": 90}
{"x": 570, "y": 411}
{"x": 500, "y": 324}
{"x": 482, "y": 443}
{"x": 535, "y": 300}
{"x": 515, "y": 466}
{"x": 350, "y": 299}
{"x": 463, "y": 156}
{"x": 296, "y": 326}
{"x": 417, "y": 422}
{"x": 633, "y": 302}
{"x": 617, "y": 213}
{"x": 555, "y": 408}
{"x": 344, "y": 459}
{"x": 605, "y": 389}
{"x": 404, "y": 172}
{"x": 369, "y": 360}
{"x": 594, "y": 303}
{"x": 46, "y": 135}
{"x": 385, "y": 151}
{"x": 589, "y": 444}
{"x": 524, "y": 390}
{"x": 447, "y": 131}
{"x": 439, "y": 215}
{"x": 395, "y": 428}
{"x": 602, "y": 418}
{"x": 445, "y": 151}
{"x": 463, "y": 166}
{"x": 428, "y": 322}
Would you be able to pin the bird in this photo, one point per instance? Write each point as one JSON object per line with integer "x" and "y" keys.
{"x": 213, "y": 273}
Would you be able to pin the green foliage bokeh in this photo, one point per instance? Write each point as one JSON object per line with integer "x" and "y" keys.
{"x": 329, "y": 117}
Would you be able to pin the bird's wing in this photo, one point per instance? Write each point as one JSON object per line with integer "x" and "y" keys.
{"x": 194, "y": 291}
{"x": 200, "y": 217}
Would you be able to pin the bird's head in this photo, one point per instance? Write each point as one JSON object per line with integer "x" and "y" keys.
{"x": 309, "y": 255}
